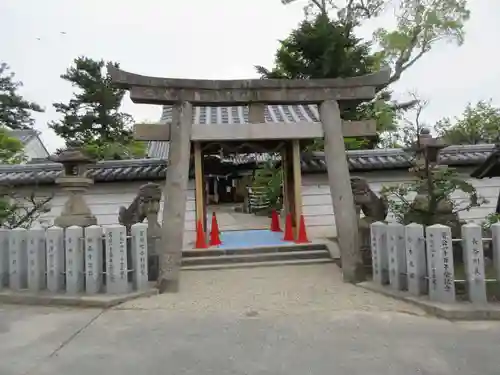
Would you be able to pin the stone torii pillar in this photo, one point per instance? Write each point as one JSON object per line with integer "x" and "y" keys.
{"x": 174, "y": 210}
{"x": 185, "y": 93}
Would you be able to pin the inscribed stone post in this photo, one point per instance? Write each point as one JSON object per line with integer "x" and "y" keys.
{"x": 440, "y": 264}
{"x": 495, "y": 240}
{"x": 346, "y": 219}
{"x": 139, "y": 254}
{"x": 18, "y": 259}
{"x": 472, "y": 244}
{"x": 93, "y": 259}
{"x": 415, "y": 259}
{"x": 174, "y": 206}
{"x": 55, "y": 259}
{"x": 4, "y": 257}
{"x": 380, "y": 259}
{"x": 36, "y": 259}
{"x": 74, "y": 259}
{"x": 116, "y": 259}
{"x": 397, "y": 256}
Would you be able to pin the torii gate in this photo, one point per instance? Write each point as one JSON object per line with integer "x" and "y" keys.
{"x": 183, "y": 94}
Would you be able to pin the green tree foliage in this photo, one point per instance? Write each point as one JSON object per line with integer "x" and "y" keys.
{"x": 17, "y": 209}
{"x": 267, "y": 184}
{"x": 321, "y": 48}
{"x": 479, "y": 123}
{"x": 419, "y": 26}
{"x": 11, "y": 149}
{"x": 324, "y": 48}
{"x": 15, "y": 111}
{"x": 437, "y": 186}
{"x": 92, "y": 119}
{"x": 410, "y": 126}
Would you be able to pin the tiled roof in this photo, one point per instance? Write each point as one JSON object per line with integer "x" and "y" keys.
{"x": 104, "y": 171}
{"x": 154, "y": 169}
{"x": 491, "y": 166}
{"x": 235, "y": 115}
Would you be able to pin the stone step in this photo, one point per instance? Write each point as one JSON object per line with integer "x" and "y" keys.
{"x": 256, "y": 257}
{"x": 188, "y": 253}
{"x": 276, "y": 263}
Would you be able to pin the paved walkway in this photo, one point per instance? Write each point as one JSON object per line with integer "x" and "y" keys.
{"x": 288, "y": 320}
{"x": 229, "y": 219}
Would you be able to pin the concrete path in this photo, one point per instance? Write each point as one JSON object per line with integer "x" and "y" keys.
{"x": 229, "y": 219}
{"x": 289, "y": 320}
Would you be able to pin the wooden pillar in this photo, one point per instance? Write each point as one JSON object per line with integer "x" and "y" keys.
{"x": 174, "y": 206}
{"x": 216, "y": 189}
{"x": 199, "y": 183}
{"x": 297, "y": 183}
{"x": 289, "y": 185}
{"x": 284, "y": 165}
{"x": 340, "y": 189}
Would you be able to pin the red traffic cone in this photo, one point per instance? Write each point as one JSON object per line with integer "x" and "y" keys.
{"x": 275, "y": 222}
{"x": 302, "y": 236}
{"x": 214, "y": 232}
{"x": 200, "y": 236}
{"x": 288, "y": 228}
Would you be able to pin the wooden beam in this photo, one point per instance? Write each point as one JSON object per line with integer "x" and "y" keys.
{"x": 254, "y": 131}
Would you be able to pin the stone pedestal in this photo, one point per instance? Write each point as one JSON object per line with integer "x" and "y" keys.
{"x": 75, "y": 210}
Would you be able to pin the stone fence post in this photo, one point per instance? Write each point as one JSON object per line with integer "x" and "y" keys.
{"x": 472, "y": 245}
{"x": 495, "y": 234}
{"x": 415, "y": 258}
{"x": 70, "y": 261}
{"x": 397, "y": 256}
{"x": 380, "y": 259}
{"x": 440, "y": 263}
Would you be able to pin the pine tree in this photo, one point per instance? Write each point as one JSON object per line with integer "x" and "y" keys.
{"x": 15, "y": 110}
{"x": 17, "y": 209}
{"x": 92, "y": 118}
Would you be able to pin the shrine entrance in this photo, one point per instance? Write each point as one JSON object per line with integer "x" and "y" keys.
{"x": 251, "y": 230}
{"x": 330, "y": 95}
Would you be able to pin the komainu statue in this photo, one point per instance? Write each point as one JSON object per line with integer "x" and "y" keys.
{"x": 374, "y": 209}
{"x": 145, "y": 205}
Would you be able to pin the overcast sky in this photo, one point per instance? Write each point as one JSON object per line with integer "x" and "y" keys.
{"x": 216, "y": 39}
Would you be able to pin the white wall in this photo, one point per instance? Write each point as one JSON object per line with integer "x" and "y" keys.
{"x": 34, "y": 149}
{"x": 105, "y": 199}
{"x": 318, "y": 211}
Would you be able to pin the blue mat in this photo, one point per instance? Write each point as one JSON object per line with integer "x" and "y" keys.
{"x": 248, "y": 238}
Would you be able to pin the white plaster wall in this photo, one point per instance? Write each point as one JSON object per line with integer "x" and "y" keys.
{"x": 104, "y": 199}
{"x": 318, "y": 211}
{"x": 34, "y": 149}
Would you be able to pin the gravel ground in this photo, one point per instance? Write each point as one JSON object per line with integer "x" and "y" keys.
{"x": 273, "y": 290}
